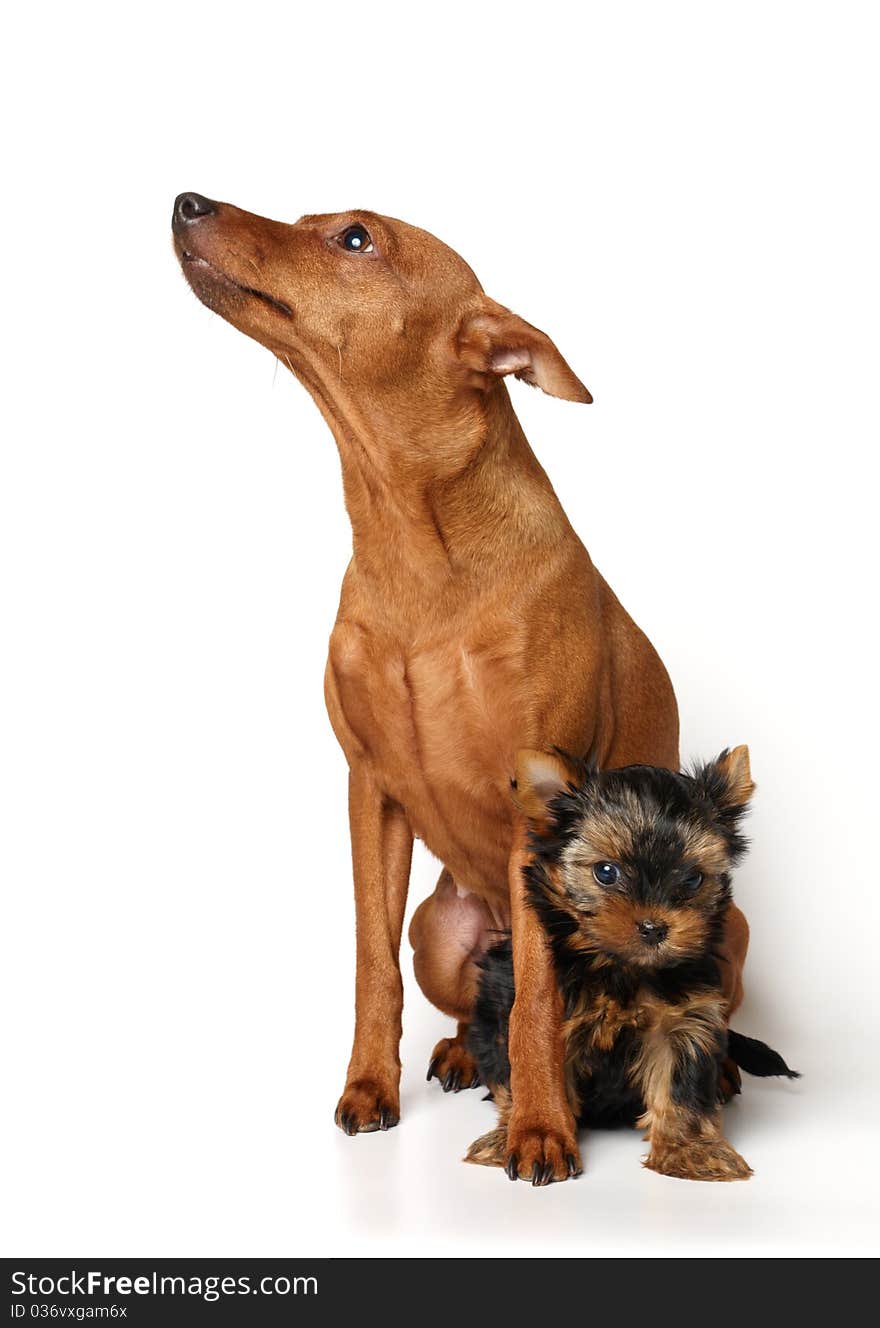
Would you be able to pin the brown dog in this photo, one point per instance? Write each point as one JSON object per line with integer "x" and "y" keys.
{"x": 472, "y": 622}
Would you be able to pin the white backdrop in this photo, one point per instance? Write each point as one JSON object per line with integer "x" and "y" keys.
{"x": 684, "y": 196}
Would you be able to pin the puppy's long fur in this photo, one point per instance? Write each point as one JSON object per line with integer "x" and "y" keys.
{"x": 630, "y": 877}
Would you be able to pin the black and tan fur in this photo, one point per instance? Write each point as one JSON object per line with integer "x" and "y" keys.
{"x": 636, "y": 956}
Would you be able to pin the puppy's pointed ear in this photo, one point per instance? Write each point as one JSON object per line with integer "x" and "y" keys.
{"x": 736, "y": 772}
{"x": 541, "y": 777}
{"x": 492, "y": 342}
{"x": 728, "y": 781}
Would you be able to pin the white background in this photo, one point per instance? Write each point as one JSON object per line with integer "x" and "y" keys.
{"x": 684, "y": 197}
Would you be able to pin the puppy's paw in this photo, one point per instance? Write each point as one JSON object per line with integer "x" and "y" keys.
{"x": 490, "y": 1150}
{"x": 365, "y": 1106}
{"x": 453, "y": 1065}
{"x": 542, "y": 1154}
{"x": 712, "y": 1160}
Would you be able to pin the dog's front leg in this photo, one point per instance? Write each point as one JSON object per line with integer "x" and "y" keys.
{"x": 381, "y": 846}
{"x": 541, "y": 1133}
{"x": 677, "y": 1069}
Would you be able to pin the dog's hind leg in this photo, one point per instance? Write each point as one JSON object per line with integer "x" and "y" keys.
{"x": 448, "y": 933}
{"x": 734, "y": 948}
{"x": 452, "y": 1063}
{"x": 733, "y": 957}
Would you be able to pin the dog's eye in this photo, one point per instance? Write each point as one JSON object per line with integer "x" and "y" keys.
{"x": 606, "y": 873}
{"x": 691, "y": 884}
{"x": 356, "y": 240}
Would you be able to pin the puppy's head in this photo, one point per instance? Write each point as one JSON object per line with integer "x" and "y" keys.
{"x": 360, "y": 304}
{"x": 634, "y": 864}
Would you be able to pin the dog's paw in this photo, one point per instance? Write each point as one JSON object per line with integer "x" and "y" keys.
{"x": 712, "y": 1160}
{"x": 541, "y": 1154}
{"x": 365, "y": 1106}
{"x": 490, "y": 1150}
{"x": 453, "y": 1065}
{"x": 729, "y": 1080}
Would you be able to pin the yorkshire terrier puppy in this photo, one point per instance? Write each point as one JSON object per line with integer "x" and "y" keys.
{"x": 630, "y": 877}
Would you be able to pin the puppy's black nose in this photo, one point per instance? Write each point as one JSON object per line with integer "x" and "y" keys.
{"x": 192, "y": 207}
{"x": 652, "y": 933}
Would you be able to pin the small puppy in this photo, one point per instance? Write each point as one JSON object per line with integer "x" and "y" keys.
{"x": 631, "y": 879}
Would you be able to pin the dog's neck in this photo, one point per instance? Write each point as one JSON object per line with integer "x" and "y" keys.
{"x": 432, "y": 503}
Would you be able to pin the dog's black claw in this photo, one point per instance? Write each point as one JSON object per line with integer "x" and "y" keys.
{"x": 547, "y": 1173}
{"x": 537, "y": 1172}
{"x": 432, "y": 1068}
{"x": 475, "y": 1082}
{"x": 386, "y": 1120}
{"x": 512, "y": 1167}
{"x": 452, "y": 1081}
{"x": 572, "y": 1163}
{"x": 348, "y": 1125}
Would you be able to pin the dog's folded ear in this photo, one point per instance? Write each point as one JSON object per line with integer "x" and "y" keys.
{"x": 493, "y": 342}
{"x": 541, "y": 777}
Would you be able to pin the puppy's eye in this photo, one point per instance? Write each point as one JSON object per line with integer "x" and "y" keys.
{"x": 356, "y": 240}
{"x": 691, "y": 884}
{"x": 606, "y": 873}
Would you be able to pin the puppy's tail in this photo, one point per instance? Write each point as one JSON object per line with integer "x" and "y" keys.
{"x": 756, "y": 1057}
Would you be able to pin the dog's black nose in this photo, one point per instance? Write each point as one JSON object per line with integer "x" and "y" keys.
{"x": 652, "y": 933}
{"x": 192, "y": 207}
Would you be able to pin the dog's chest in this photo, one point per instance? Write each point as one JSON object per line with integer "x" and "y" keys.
{"x": 594, "y": 1028}
{"x": 602, "y": 1041}
{"x": 438, "y": 722}
{"x": 615, "y": 1019}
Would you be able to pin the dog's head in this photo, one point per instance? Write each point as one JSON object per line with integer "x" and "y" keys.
{"x": 634, "y": 864}
{"x": 362, "y": 300}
